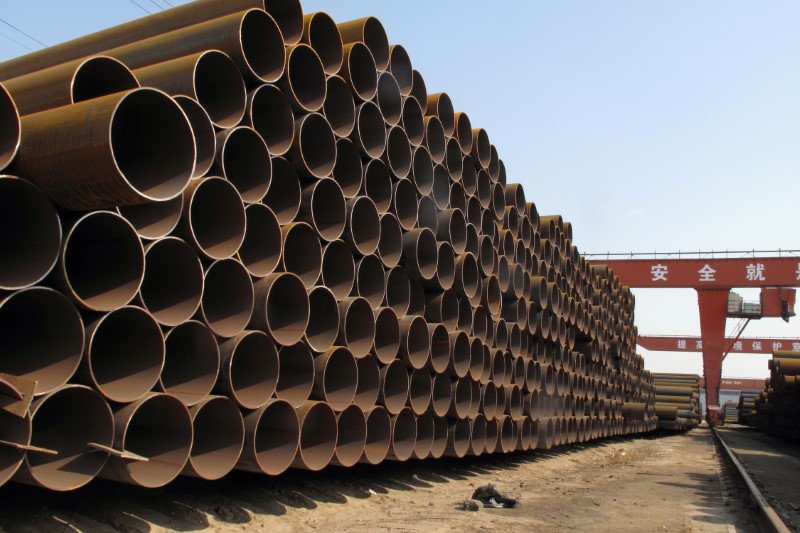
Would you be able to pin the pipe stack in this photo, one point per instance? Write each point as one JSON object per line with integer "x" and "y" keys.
{"x": 729, "y": 414}
{"x": 777, "y": 407}
{"x": 747, "y": 405}
{"x": 238, "y": 236}
{"x": 677, "y": 400}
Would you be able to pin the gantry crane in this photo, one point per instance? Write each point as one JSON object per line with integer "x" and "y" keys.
{"x": 713, "y": 278}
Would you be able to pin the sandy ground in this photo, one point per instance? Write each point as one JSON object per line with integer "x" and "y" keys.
{"x": 675, "y": 483}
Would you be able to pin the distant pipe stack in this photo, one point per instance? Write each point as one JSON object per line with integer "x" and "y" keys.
{"x": 677, "y": 400}
{"x": 776, "y": 409}
{"x": 235, "y": 236}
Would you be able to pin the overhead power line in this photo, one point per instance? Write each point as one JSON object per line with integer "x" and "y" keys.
{"x": 157, "y": 5}
{"x": 16, "y": 41}
{"x": 22, "y": 32}
{"x": 140, "y": 6}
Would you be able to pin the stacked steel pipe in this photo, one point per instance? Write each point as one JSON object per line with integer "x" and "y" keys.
{"x": 237, "y": 236}
{"x": 729, "y": 414}
{"x": 677, "y": 400}
{"x": 746, "y": 406}
{"x": 777, "y": 407}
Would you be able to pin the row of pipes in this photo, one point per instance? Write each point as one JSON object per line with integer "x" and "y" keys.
{"x": 776, "y": 409}
{"x": 677, "y": 400}
{"x": 238, "y": 236}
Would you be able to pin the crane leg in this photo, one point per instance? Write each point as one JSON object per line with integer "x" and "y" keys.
{"x": 713, "y": 305}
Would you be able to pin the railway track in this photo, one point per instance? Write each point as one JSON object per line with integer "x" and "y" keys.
{"x": 769, "y": 519}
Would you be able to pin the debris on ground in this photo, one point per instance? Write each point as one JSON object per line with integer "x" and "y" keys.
{"x": 471, "y": 505}
{"x": 490, "y": 497}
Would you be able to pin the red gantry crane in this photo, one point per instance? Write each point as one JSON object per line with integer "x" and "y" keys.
{"x": 713, "y": 278}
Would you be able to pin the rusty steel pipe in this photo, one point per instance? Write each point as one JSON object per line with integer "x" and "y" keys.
{"x": 467, "y": 275}
{"x": 377, "y": 185}
{"x": 281, "y": 307}
{"x": 477, "y": 437}
{"x": 400, "y": 67}
{"x": 462, "y": 132}
{"x": 356, "y": 326}
{"x": 481, "y": 147}
{"x": 10, "y": 121}
{"x": 157, "y": 427}
{"x": 172, "y": 286}
{"x": 269, "y": 113}
{"x": 403, "y": 435}
{"x": 369, "y": 382}
{"x": 461, "y": 399}
{"x": 297, "y": 374}
{"x": 422, "y": 170}
{"x": 129, "y": 32}
{"x": 15, "y": 430}
{"x": 475, "y": 358}
{"x": 323, "y": 321}
{"x": 370, "y": 281}
{"x": 283, "y": 196}
{"x": 389, "y": 99}
{"x": 469, "y": 179}
{"x": 458, "y": 198}
{"x": 404, "y": 203}
{"x": 458, "y": 438}
{"x": 31, "y": 251}
{"x": 249, "y": 369}
{"x": 452, "y": 227}
{"x": 302, "y": 252}
{"x": 418, "y": 89}
{"x": 351, "y": 439}
{"x": 313, "y": 150}
{"x": 261, "y": 248}
{"x": 441, "y": 394}
{"x": 228, "y": 298}
{"x": 440, "y": 188}
{"x": 243, "y": 158}
{"x": 390, "y": 247}
{"x": 127, "y": 148}
{"x": 50, "y": 359}
{"x": 420, "y": 391}
{"x": 442, "y": 307}
{"x": 369, "y": 31}
{"x": 415, "y": 342}
{"x": 123, "y": 355}
{"x": 489, "y": 403}
{"x": 427, "y": 213}
{"x": 218, "y": 429}
{"x": 107, "y": 284}
{"x": 426, "y": 434}
{"x": 434, "y": 139}
{"x": 303, "y": 79}
{"x": 318, "y": 436}
{"x": 349, "y": 170}
{"x": 492, "y": 433}
{"x": 339, "y": 107}
{"x": 445, "y": 268}
{"x": 440, "y": 348}
{"x": 440, "y": 105}
{"x": 398, "y": 291}
{"x": 322, "y": 35}
{"x": 69, "y": 83}
{"x": 360, "y": 71}
{"x": 369, "y": 133}
{"x": 379, "y": 436}
{"x": 453, "y": 159}
{"x": 362, "y": 231}
{"x": 387, "y": 335}
{"x": 412, "y": 121}
{"x": 272, "y": 438}
{"x": 523, "y": 428}
{"x": 211, "y": 78}
{"x": 420, "y": 253}
{"x": 213, "y": 218}
{"x": 394, "y": 387}
{"x": 153, "y": 220}
{"x": 338, "y": 269}
{"x": 191, "y": 362}
{"x": 66, "y": 421}
{"x": 335, "y": 377}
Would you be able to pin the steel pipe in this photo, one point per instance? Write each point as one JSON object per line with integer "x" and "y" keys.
{"x": 260, "y": 252}
{"x": 370, "y": 280}
{"x": 420, "y": 390}
{"x": 452, "y": 227}
{"x": 172, "y": 286}
{"x": 477, "y": 437}
{"x": 323, "y": 322}
{"x": 488, "y": 400}
{"x": 412, "y": 121}
{"x": 338, "y": 269}
{"x": 461, "y": 399}
{"x": 442, "y": 307}
{"x": 218, "y": 429}
{"x": 390, "y": 243}
{"x": 313, "y": 150}
{"x": 404, "y": 435}
{"x": 379, "y": 436}
{"x": 434, "y": 138}
{"x": 249, "y": 369}
{"x": 359, "y": 69}
{"x": 303, "y": 79}
{"x": 351, "y": 436}
{"x": 302, "y": 253}
{"x": 440, "y": 188}
{"x": 339, "y": 107}
{"x": 153, "y": 220}
{"x": 322, "y": 35}
{"x": 283, "y": 196}
{"x": 469, "y": 178}
{"x": 335, "y": 377}
{"x": 191, "y": 362}
{"x": 467, "y": 275}
{"x": 269, "y": 113}
{"x": 441, "y": 395}
{"x": 398, "y": 291}
{"x": 427, "y": 213}
{"x": 369, "y": 382}
{"x": 318, "y": 436}
{"x": 123, "y": 355}
{"x": 415, "y": 342}
{"x": 492, "y": 432}
{"x": 389, "y": 99}
{"x": 426, "y": 435}
{"x": 369, "y": 31}
{"x": 440, "y": 105}
{"x": 420, "y": 253}
{"x": 281, "y": 307}
{"x": 356, "y": 326}
{"x": 387, "y": 335}
{"x": 127, "y": 148}
{"x": 228, "y": 298}
{"x": 213, "y": 219}
{"x": 453, "y": 160}
{"x": 418, "y": 89}
{"x": 404, "y": 203}
{"x": 475, "y": 358}
{"x": 157, "y": 427}
{"x": 15, "y": 431}
{"x": 67, "y": 421}
{"x": 394, "y": 387}
{"x": 243, "y": 158}
{"x": 363, "y": 225}
{"x": 209, "y": 77}
{"x": 422, "y": 170}
{"x": 272, "y": 438}
{"x": 297, "y": 374}
{"x": 458, "y": 438}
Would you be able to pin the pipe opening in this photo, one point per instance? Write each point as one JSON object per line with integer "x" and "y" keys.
{"x": 445, "y": 266}
{"x": 191, "y": 362}
{"x": 351, "y": 435}
{"x": 283, "y": 196}
{"x": 244, "y": 160}
{"x": 318, "y": 433}
{"x": 216, "y": 217}
{"x": 260, "y": 252}
{"x": 427, "y": 213}
{"x": 442, "y": 392}
{"x": 272, "y": 117}
{"x": 422, "y": 170}
{"x": 314, "y": 146}
{"x": 323, "y": 322}
{"x": 219, "y": 88}
{"x": 420, "y": 390}
{"x": 379, "y": 435}
{"x": 304, "y": 78}
{"x": 10, "y": 130}
{"x": 348, "y": 171}
{"x": 218, "y": 431}
{"x": 404, "y": 434}
{"x": 339, "y": 107}
{"x": 459, "y": 354}
{"x": 435, "y": 138}
{"x": 249, "y": 369}
{"x": 275, "y": 439}
{"x": 357, "y": 326}
{"x": 369, "y": 382}
{"x": 337, "y": 377}
{"x": 360, "y": 70}
{"x": 440, "y": 190}
{"x": 262, "y": 40}
{"x": 302, "y": 253}
{"x": 418, "y": 89}
{"x": 322, "y": 35}
{"x": 101, "y": 76}
{"x": 390, "y": 244}
{"x": 338, "y": 269}
{"x": 363, "y": 231}
{"x": 389, "y": 99}
{"x": 404, "y": 203}
{"x": 378, "y": 185}
{"x": 296, "y": 377}
{"x": 370, "y": 131}
{"x": 31, "y": 250}
{"x": 398, "y": 152}
{"x": 152, "y": 144}
{"x": 394, "y": 386}
{"x": 412, "y": 120}
{"x": 228, "y": 298}
{"x": 65, "y": 421}
{"x": 173, "y": 281}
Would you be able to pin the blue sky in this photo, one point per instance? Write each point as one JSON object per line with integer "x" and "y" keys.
{"x": 650, "y": 125}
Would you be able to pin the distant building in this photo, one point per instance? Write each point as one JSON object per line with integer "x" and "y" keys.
{"x": 730, "y": 389}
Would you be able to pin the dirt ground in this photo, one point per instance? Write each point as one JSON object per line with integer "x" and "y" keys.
{"x": 674, "y": 483}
